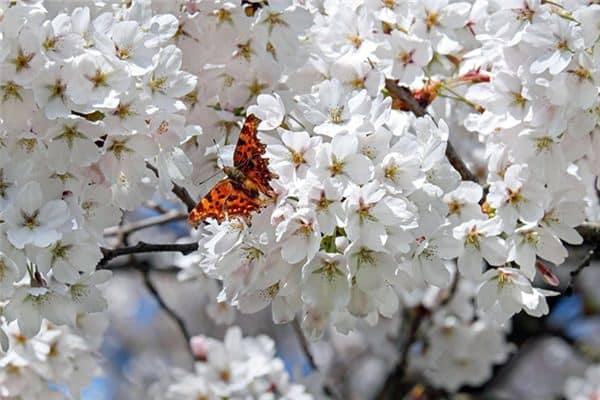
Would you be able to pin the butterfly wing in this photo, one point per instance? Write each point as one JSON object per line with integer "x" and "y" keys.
{"x": 222, "y": 201}
{"x": 260, "y": 175}
{"x": 248, "y": 146}
{"x": 248, "y": 157}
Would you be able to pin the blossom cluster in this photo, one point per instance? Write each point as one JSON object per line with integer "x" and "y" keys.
{"x": 463, "y": 343}
{"x": 368, "y": 206}
{"x": 235, "y": 368}
{"x": 587, "y": 387}
{"x": 102, "y": 109}
{"x": 58, "y": 360}
{"x": 88, "y": 98}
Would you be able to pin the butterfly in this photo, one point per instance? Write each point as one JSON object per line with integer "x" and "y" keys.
{"x": 240, "y": 193}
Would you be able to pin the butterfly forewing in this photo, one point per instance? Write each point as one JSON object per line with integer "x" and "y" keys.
{"x": 248, "y": 146}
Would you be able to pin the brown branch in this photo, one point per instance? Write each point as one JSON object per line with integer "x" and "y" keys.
{"x": 142, "y": 247}
{"x": 404, "y": 95}
{"x": 163, "y": 305}
{"x": 395, "y": 385}
{"x": 177, "y": 190}
{"x": 126, "y": 229}
{"x": 459, "y": 164}
{"x": 585, "y": 262}
{"x": 304, "y": 344}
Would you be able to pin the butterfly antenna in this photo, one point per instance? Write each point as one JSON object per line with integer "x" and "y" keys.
{"x": 202, "y": 182}
{"x": 218, "y": 170}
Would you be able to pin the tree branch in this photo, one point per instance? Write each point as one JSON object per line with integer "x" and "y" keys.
{"x": 591, "y": 233}
{"x": 327, "y": 389}
{"x": 393, "y": 387}
{"x": 163, "y": 305}
{"x": 169, "y": 216}
{"x": 177, "y": 190}
{"x": 404, "y": 95}
{"x": 142, "y": 247}
{"x": 585, "y": 262}
{"x": 304, "y": 344}
{"x": 459, "y": 164}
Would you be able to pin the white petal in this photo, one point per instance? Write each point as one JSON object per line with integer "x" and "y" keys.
{"x": 470, "y": 263}
{"x": 494, "y": 250}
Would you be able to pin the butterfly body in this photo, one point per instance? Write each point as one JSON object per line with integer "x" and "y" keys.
{"x": 247, "y": 185}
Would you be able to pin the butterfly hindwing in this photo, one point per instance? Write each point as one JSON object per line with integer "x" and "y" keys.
{"x": 222, "y": 200}
{"x": 260, "y": 175}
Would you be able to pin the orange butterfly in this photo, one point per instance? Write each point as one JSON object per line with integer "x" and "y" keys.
{"x": 240, "y": 193}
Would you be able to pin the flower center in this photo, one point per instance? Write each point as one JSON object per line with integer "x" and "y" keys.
{"x": 329, "y": 270}
{"x": 256, "y": 88}
{"x": 473, "y": 237}
{"x": 123, "y": 111}
{"x": 50, "y": 43}
{"x": 244, "y": 50}
{"x": 335, "y": 114}
{"x": 27, "y": 144}
{"x": 305, "y": 229}
{"x": 519, "y": 100}
{"x": 531, "y": 238}
{"x": 274, "y": 19}
{"x": 157, "y": 84}
{"x": 30, "y": 220}
{"x": 391, "y": 172}
{"x": 543, "y": 144}
{"x": 365, "y": 256}
{"x": 224, "y": 375}
{"x": 57, "y": 90}
{"x": 118, "y": 147}
{"x": 98, "y": 79}
{"x": 406, "y": 57}
{"x": 514, "y": 197}
{"x": 22, "y": 60}
{"x": 122, "y": 53}
{"x": 582, "y": 73}
{"x": 69, "y": 134}
{"x": 355, "y": 40}
{"x": 431, "y": 19}
{"x": 11, "y": 89}
{"x": 364, "y": 212}
{"x": 454, "y": 207}
{"x": 222, "y": 15}
{"x": 60, "y": 252}
{"x": 336, "y": 167}
{"x": 163, "y": 127}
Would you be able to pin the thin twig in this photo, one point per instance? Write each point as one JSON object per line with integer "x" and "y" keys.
{"x": 143, "y": 247}
{"x": 170, "y": 216}
{"x": 392, "y": 387}
{"x": 304, "y": 344}
{"x": 163, "y": 305}
{"x": 177, "y": 190}
{"x": 327, "y": 389}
